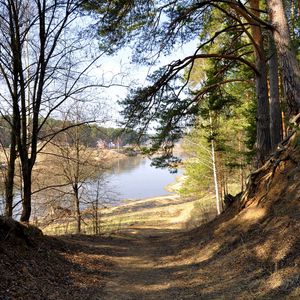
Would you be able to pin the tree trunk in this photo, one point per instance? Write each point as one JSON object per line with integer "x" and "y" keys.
{"x": 275, "y": 109}
{"x": 77, "y": 207}
{"x": 97, "y": 229}
{"x": 214, "y": 168}
{"x": 241, "y": 164}
{"x": 26, "y": 203}
{"x": 263, "y": 138}
{"x": 286, "y": 55}
{"x": 9, "y": 178}
{"x": 216, "y": 184}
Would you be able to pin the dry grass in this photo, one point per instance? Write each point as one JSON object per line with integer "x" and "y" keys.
{"x": 172, "y": 212}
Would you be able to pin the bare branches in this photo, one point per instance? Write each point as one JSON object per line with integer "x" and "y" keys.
{"x": 41, "y": 68}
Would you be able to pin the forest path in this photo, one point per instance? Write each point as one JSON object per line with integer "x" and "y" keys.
{"x": 135, "y": 264}
{"x": 153, "y": 255}
{"x": 247, "y": 254}
{"x": 138, "y": 261}
{"x": 141, "y": 269}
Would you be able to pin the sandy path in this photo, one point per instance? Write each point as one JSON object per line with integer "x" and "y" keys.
{"x": 138, "y": 272}
{"x": 141, "y": 265}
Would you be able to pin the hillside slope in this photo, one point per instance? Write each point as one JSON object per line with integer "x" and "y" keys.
{"x": 255, "y": 245}
{"x": 249, "y": 252}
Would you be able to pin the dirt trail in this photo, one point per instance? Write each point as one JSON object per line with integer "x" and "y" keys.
{"x": 141, "y": 257}
{"x": 139, "y": 271}
{"x": 138, "y": 260}
{"x": 233, "y": 257}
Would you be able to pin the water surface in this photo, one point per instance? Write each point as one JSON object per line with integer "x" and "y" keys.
{"x": 134, "y": 178}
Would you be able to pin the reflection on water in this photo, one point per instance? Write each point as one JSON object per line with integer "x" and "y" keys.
{"x": 131, "y": 178}
{"x": 127, "y": 165}
{"x": 135, "y": 178}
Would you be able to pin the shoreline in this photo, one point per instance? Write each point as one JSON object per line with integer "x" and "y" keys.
{"x": 171, "y": 210}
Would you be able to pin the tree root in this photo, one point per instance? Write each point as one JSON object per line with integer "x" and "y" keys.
{"x": 273, "y": 163}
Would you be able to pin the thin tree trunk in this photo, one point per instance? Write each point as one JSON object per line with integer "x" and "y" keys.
{"x": 77, "y": 207}
{"x": 96, "y": 209}
{"x": 77, "y": 170}
{"x": 9, "y": 178}
{"x": 275, "y": 109}
{"x": 284, "y": 129}
{"x": 293, "y": 18}
{"x": 286, "y": 55}
{"x": 214, "y": 167}
{"x": 241, "y": 164}
{"x": 216, "y": 184}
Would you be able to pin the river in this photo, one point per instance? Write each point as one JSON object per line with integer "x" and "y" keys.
{"x": 134, "y": 178}
{"x": 131, "y": 178}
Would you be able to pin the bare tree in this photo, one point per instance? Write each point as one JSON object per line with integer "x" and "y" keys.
{"x": 40, "y": 70}
{"x": 73, "y": 164}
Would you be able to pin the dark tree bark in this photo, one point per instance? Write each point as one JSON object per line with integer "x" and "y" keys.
{"x": 263, "y": 138}
{"x": 9, "y": 178}
{"x": 27, "y": 182}
{"x": 275, "y": 109}
{"x": 77, "y": 206}
{"x": 14, "y": 93}
{"x": 20, "y": 108}
{"x": 286, "y": 55}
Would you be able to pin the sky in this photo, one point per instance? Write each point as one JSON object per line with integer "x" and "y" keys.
{"x": 115, "y": 71}
{"x": 123, "y": 71}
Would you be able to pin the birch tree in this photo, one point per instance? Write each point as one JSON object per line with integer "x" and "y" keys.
{"x": 201, "y": 172}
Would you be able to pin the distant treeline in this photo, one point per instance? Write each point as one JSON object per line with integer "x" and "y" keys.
{"x": 110, "y": 136}
{"x": 91, "y": 135}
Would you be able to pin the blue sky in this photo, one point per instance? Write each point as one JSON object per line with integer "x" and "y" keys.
{"x": 123, "y": 71}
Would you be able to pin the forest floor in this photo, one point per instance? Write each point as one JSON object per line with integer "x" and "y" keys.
{"x": 251, "y": 251}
